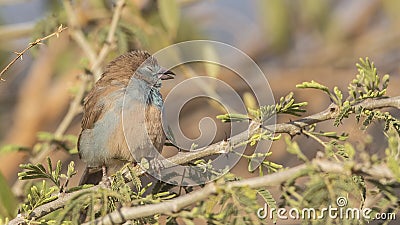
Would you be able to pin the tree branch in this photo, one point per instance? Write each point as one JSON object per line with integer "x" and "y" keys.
{"x": 128, "y": 213}
{"x": 293, "y": 127}
{"x": 45, "y": 209}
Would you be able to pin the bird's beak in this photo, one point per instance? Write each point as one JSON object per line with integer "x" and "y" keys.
{"x": 165, "y": 74}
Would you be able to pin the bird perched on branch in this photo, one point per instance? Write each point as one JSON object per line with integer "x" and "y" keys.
{"x": 129, "y": 86}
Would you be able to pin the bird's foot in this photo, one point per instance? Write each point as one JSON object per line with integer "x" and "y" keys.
{"x": 105, "y": 180}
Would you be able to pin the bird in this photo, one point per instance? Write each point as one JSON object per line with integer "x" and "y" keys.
{"x": 130, "y": 83}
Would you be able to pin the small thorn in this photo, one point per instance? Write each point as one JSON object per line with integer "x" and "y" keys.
{"x": 19, "y": 55}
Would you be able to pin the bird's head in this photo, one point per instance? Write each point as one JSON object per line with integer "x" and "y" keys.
{"x": 140, "y": 65}
{"x": 151, "y": 72}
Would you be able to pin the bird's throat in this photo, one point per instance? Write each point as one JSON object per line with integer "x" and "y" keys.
{"x": 141, "y": 91}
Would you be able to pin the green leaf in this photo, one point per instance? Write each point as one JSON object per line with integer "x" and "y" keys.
{"x": 339, "y": 96}
{"x": 272, "y": 166}
{"x": 336, "y": 98}
{"x": 39, "y": 167}
{"x": 45, "y": 136}
{"x": 12, "y": 148}
{"x": 368, "y": 84}
{"x": 269, "y": 199}
{"x": 232, "y": 117}
{"x": 293, "y": 148}
{"x": 71, "y": 169}
{"x": 4, "y": 220}
{"x": 21, "y": 176}
{"x": 287, "y": 105}
{"x": 73, "y": 151}
{"x": 8, "y": 203}
{"x": 56, "y": 173}
{"x": 169, "y": 14}
{"x": 314, "y": 85}
{"x": 345, "y": 111}
{"x": 385, "y": 81}
{"x": 49, "y": 165}
{"x": 393, "y": 153}
{"x": 349, "y": 150}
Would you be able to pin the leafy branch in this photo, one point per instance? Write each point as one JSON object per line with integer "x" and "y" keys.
{"x": 206, "y": 195}
{"x": 271, "y": 179}
{"x": 38, "y": 196}
{"x": 367, "y": 85}
{"x": 286, "y": 105}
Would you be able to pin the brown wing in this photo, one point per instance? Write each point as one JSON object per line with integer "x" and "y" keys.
{"x": 116, "y": 76}
{"x": 94, "y": 107}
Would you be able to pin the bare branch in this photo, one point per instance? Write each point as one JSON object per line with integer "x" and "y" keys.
{"x": 32, "y": 44}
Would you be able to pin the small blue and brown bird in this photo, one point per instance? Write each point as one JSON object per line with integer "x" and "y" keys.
{"x": 102, "y": 142}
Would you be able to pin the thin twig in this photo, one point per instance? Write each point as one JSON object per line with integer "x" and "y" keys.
{"x": 32, "y": 44}
{"x": 317, "y": 139}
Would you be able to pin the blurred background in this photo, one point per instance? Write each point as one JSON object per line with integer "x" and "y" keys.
{"x": 291, "y": 41}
